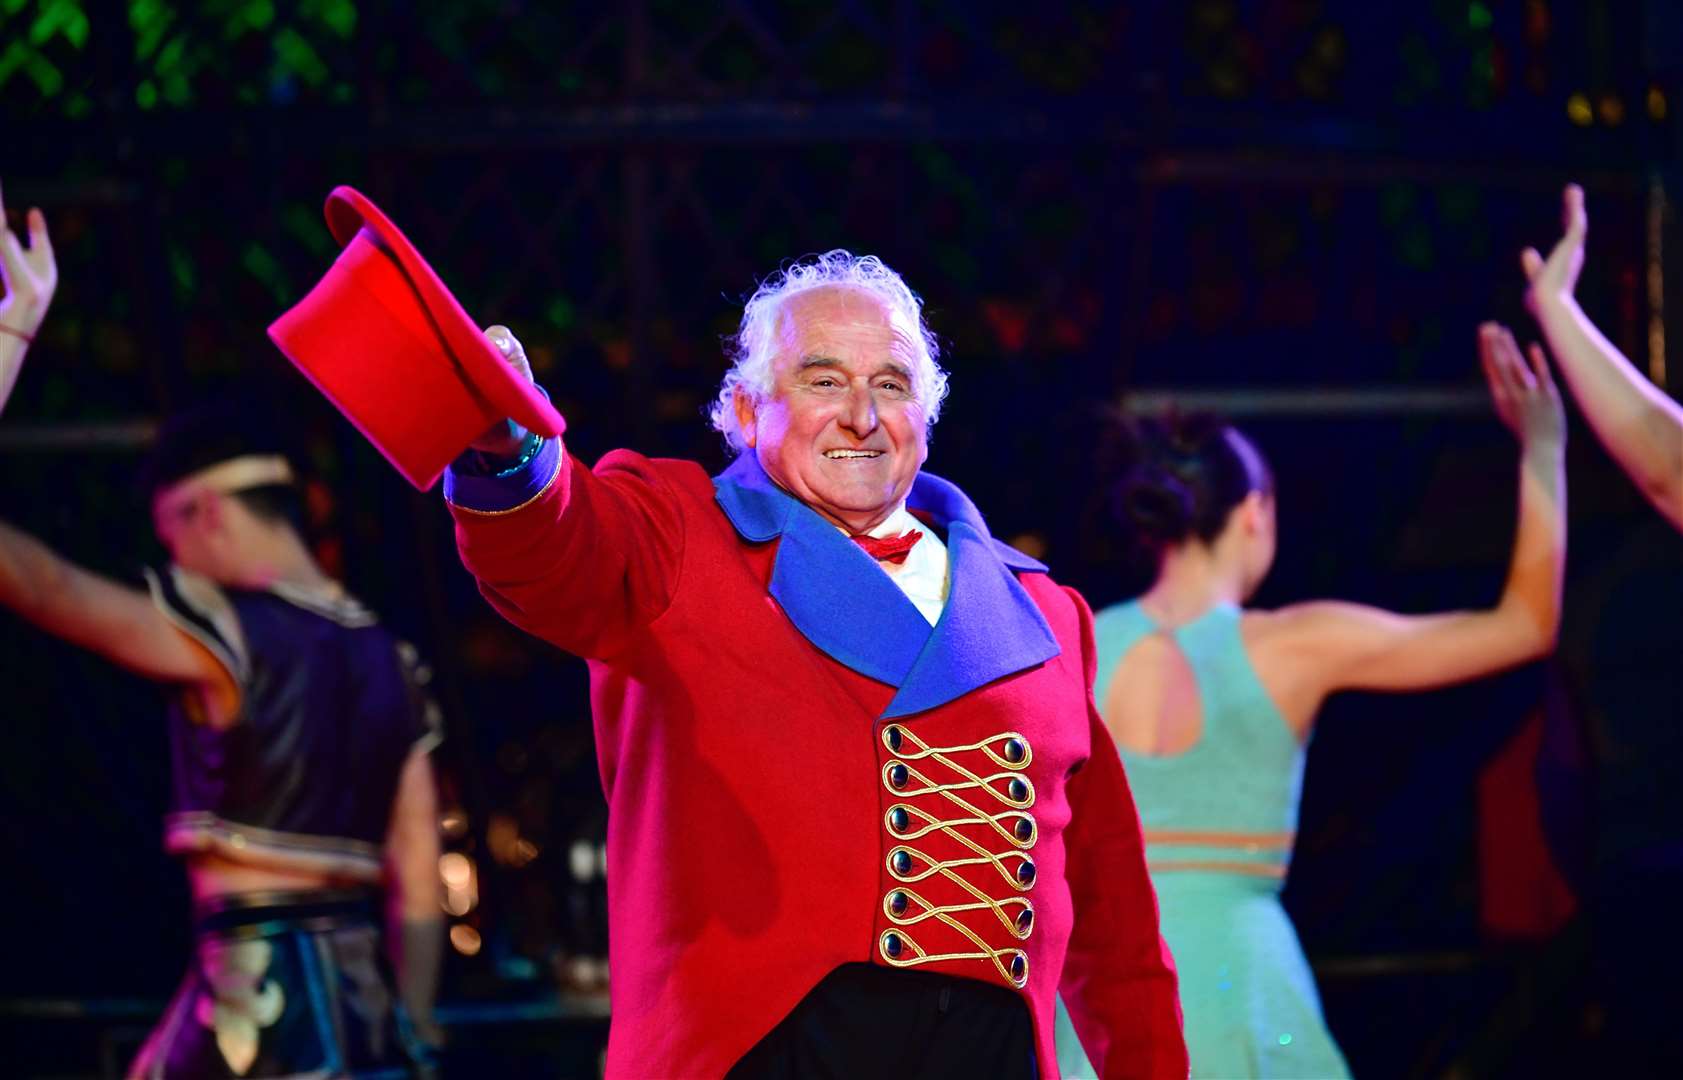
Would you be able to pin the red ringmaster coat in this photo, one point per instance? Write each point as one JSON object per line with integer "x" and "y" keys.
{"x": 801, "y": 772}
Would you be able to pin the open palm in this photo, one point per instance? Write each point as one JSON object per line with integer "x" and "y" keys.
{"x": 29, "y": 276}
{"x": 1556, "y": 276}
{"x": 1524, "y": 395}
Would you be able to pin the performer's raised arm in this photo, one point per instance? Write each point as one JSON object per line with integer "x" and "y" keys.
{"x": 1634, "y": 419}
{"x": 299, "y": 740}
{"x": 1212, "y": 704}
{"x": 85, "y": 608}
{"x": 1321, "y": 647}
{"x": 28, "y": 279}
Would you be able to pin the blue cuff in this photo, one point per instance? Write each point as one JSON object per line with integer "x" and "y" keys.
{"x": 493, "y": 493}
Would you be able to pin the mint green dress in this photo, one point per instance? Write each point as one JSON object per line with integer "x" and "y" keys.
{"x": 1245, "y": 988}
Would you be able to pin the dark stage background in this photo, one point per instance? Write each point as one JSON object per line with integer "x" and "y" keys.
{"x": 1295, "y": 211}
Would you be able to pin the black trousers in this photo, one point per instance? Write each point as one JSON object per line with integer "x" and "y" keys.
{"x": 865, "y": 1020}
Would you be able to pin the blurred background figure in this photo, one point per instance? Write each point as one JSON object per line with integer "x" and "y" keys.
{"x": 300, "y": 733}
{"x": 1212, "y": 704}
{"x": 1639, "y": 948}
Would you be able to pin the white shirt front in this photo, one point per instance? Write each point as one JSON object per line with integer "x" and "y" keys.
{"x": 924, "y": 577}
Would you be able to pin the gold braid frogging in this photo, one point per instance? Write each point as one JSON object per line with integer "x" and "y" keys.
{"x": 944, "y": 913}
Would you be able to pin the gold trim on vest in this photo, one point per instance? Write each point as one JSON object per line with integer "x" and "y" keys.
{"x": 907, "y": 822}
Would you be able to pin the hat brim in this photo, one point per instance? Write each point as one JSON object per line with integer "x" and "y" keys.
{"x": 479, "y": 364}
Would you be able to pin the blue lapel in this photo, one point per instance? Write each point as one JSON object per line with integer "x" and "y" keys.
{"x": 847, "y": 607}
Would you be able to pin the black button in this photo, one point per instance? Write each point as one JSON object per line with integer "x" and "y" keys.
{"x": 1015, "y": 751}
{"x": 897, "y": 902}
{"x": 1019, "y": 967}
{"x": 1025, "y": 921}
{"x": 895, "y": 738}
{"x": 902, "y": 863}
{"x": 1018, "y": 789}
{"x": 898, "y": 775}
{"x": 1024, "y": 829}
{"x": 1025, "y": 872}
{"x": 892, "y": 945}
{"x": 898, "y": 819}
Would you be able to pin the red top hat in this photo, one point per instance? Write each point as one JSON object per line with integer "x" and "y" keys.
{"x": 383, "y": 338}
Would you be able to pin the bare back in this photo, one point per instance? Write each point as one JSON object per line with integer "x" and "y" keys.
{"x": 1209, "y": 755}
{"x": 1151, "y": 703}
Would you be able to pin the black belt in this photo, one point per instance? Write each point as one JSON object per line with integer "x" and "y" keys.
{"x": 259, "y": 912}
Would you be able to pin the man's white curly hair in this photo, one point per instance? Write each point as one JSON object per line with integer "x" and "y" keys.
{"x": 754, "y": 348}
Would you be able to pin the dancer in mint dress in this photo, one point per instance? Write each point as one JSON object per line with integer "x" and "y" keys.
{"x": 1247, "y": 994}
{"x": 1212, "y": 705}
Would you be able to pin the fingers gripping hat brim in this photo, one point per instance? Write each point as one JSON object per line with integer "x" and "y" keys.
{"x": 383, "y": 338}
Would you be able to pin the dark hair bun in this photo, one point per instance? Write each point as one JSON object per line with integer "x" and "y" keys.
{"x": 1180, "y": 477}
{"x": 1155, "y": 506}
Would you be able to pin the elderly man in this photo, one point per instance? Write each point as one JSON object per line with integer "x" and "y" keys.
{"x": 863, "y": 818}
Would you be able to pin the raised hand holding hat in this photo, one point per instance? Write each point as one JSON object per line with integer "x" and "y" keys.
{"x": 389, "y": 345}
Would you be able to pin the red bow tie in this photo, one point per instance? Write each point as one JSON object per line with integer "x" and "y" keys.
{"x": 892, "y": 549}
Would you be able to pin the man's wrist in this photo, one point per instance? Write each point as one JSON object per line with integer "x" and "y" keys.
{"x": 487, "y": 463}
{"x": 528, "y": 449}
{"x": 498, "y": 485}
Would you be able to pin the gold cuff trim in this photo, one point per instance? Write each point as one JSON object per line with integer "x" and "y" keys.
{"x": 561, "y": 463}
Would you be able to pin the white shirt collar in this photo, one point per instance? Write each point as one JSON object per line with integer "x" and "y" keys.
{"x": 923, "y": 577}
{"x": 899, "y": 522}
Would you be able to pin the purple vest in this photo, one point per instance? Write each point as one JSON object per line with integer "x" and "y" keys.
{"x": 331, "y": 705}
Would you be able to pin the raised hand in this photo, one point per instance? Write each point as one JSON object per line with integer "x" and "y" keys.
{"x": 1554, "y": 278}
{"x": 1638, "y": 423}
{"x": 29, "y": 276}
{"x": 1524, "y": 395}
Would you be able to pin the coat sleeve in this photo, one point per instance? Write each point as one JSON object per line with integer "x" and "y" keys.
{"x": 1118, "y": 980}
{"x": 581, "y": 558}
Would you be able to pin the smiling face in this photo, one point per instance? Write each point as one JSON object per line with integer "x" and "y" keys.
{"x": 842, "y": 430}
